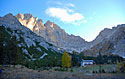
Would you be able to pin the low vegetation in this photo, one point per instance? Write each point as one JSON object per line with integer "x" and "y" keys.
{"x": 21, "y": 72}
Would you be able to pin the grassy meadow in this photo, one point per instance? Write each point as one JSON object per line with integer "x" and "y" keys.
{"x": 20, "y": 72}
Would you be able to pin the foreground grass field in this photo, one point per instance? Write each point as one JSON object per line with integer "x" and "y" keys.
{"x": 78, "y": 73}
{"x": 89, "y": 69}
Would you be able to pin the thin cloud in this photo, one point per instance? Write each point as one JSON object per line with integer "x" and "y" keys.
{"x": 49, "y": 3}
{"x": 80, "y": 22}
{"x": 69, "y": 10}
{"x": 77, "y": 23}
{"x": 71, "y": 5}
{"x": 59, "y": 3}
{"x": 65, "y": 15}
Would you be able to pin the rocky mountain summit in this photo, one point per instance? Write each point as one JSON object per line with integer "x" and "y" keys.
{"x": 53, "y": 33}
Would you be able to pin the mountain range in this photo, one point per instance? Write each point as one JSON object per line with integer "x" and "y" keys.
{"x": 52, "y": 33}
{"x": 109, "y": 41}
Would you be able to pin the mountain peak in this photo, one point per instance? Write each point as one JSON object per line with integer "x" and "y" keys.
{"x": 9, "y": 18}
{"x": 9, "y": 14}
{"x": 28, "y": 16}
{"x": 21, "y": 16}
{"x": 40, "y": 20}
{"x": 27, "y": 20}
{"x": 48, "y": 23}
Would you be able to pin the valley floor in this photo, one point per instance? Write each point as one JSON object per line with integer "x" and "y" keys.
{"x": 25, "y": 73}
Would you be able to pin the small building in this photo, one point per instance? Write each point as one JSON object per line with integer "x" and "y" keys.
{"x": 86, "y": 62}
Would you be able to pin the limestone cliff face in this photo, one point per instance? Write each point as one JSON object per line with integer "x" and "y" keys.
{"x": 52, "y": 33}
{"x": 27, "y": 20}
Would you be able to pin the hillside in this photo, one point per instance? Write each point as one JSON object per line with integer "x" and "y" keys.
{"x": 110, "y": 41}
{"x": 19, "y": 45}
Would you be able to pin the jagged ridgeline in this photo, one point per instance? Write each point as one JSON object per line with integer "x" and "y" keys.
{"x": 109, "y": 41}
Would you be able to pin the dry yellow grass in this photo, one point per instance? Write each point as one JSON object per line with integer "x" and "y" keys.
{"x": 25, "y": 73}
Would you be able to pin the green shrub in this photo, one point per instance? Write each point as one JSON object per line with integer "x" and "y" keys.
{"x": 46, "y": 68}
{"x": 93, "y": 71}
{"x": 113, "y": 72}
{"x": 57, "y": 69}
{"x": 71, "y": 70}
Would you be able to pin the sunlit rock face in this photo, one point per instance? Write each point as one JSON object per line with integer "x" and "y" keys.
{"x": 53, "y": 33}
{"x": 27, "y": 20}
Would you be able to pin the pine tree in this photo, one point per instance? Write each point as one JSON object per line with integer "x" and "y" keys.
{"x": 66, "y": 60}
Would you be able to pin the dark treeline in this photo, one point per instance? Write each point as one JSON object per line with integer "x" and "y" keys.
{"x": 100, "y": 59}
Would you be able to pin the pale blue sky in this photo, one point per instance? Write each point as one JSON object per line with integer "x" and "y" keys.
{"x": 85, "y": 18}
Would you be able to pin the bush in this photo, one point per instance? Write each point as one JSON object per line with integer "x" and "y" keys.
{"x": 93, "y": 71}
{"x": 59, "y": 69}
{"x": 71, "y": 70}
{"x": 113, "y": 72}
{"x": 103, "y": 71}
{"x": 44, "y": 68}
{"x": 62, "y": 69}
{"x": 56, "y": 69}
